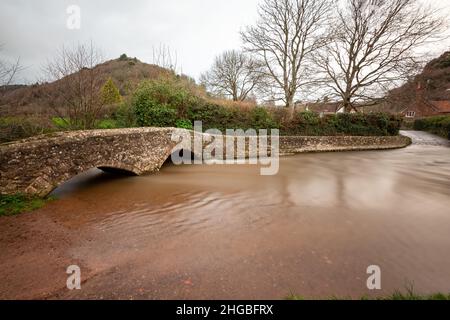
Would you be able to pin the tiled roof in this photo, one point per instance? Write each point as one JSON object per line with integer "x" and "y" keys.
{"x": 442, "y": 106}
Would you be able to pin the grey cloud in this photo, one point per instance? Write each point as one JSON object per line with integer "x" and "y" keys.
{"x": 196, "y": 29}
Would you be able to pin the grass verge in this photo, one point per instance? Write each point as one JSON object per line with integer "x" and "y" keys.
{"x": 11, "y": 205}
{"x": 396, "y": 296}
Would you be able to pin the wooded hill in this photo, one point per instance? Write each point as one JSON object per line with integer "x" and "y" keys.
{"x": 126, "y": 73}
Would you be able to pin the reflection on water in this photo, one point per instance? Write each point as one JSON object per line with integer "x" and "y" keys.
{"x": 313, "y": 229}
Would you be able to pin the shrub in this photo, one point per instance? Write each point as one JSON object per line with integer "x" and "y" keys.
{"x": 212, "y": 116}
{"x": 358, "y": 124}
{"x": 302, "y": 123}
{"x": 308, "y": 118}
{"x": 261, "y": 118}
{"x": 156, "y": 116}
{"x": 439, "y": 125}
{"x": 16, "y": 128}
{"x": 305, "y": 123}
{"x": 125, "y": 116}
{"x": 184, "y": 124}
{"x": 110, "y": 94}
{"x": 154, "y": 100}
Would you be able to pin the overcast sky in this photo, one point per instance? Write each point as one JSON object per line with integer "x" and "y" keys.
{"x": 196, "y": 29}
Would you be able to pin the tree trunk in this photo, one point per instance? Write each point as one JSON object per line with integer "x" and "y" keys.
{"x": 290, "y": 105}
{"x": 348, "y": 107}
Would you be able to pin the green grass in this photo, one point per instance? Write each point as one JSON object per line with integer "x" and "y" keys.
{"x": 394, "y": 297}
{"x": 413, "y": 296}
{"x": 409, "y": 295}
{"x": 67, "y": 124}
{"x": 11, "y": 205}
{"x": 61, "y": 123}
{"x": 107, "y": 124}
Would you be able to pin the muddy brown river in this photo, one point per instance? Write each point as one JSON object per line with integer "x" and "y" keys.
{"x": 225, "y": 232}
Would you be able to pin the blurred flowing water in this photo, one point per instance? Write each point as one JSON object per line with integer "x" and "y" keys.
{"x": 226, "y": 232}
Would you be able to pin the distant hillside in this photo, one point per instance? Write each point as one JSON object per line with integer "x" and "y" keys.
{"x": 436, "y": 78}
{"x": 126, "y": 74}
{"x": 433, "y": 84}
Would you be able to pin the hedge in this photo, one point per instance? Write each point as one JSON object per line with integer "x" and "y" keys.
{"x": 439, "y": 125}
{"x": 160, "y": 103}
{"x": 167, "y": 102}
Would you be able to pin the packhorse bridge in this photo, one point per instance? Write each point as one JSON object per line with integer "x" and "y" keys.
{"x": 36, "y": 166}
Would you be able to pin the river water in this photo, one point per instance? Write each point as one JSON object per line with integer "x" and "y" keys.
{"x": 225, "y": 232}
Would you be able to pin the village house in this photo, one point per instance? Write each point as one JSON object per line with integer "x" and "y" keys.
{"x": 423, "y": 107}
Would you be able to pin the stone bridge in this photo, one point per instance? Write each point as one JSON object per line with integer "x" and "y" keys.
{"x": 38, "y": 165}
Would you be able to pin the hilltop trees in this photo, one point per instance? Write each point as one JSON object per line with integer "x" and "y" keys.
{"x": 233, "y": 74}
{"x": 372, "y": 46}
{"x": 284, "y": 39}
{"x": 164, "y": 57}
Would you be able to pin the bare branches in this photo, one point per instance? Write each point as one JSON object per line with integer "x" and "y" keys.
{"x": 75, "y": 91}
{"x": 233, "y": 74}
{"x": 8, "y": 71}
{"x": 373, "y": 47}
{"x": 165, "y": 58}
{"x": 285, "y": 37}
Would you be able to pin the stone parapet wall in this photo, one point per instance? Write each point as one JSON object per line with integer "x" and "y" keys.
{"x": 293, "y": 145}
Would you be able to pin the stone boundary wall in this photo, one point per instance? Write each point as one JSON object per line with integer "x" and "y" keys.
{"x": 38, "y": 165}
{"x": 293, "y": 145}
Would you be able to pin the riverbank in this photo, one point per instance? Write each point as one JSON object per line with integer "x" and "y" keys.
{"x": 11, "y": 205}
{"x": 396, "y": 296}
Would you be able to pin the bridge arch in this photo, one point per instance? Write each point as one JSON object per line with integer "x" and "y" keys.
{"x": 49, "y": 181}
{"x": 38, "y": 165}
{"x": 181, "y": 153}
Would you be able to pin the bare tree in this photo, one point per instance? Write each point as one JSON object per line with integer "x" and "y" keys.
{"x": 164, "y": 57}
{"x": 8, "y": 71}
{"x": 233, "y": 74}
{"x": 75, "y": 89}
{"x": 286, "y": 35}
{"x": 373, "y": 47}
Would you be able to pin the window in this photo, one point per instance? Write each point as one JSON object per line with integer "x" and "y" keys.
{"x": 410, "y": 114}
